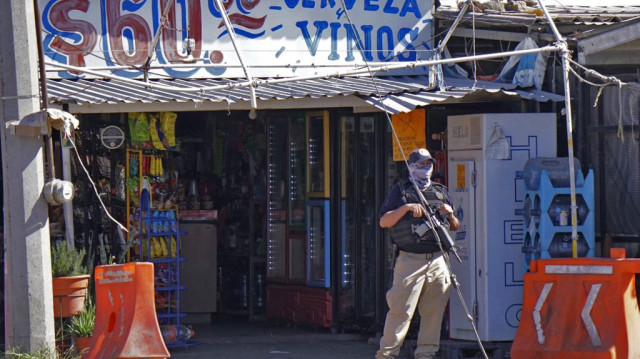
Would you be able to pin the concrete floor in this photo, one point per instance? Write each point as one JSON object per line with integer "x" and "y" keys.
{"x": 239, "y": 338}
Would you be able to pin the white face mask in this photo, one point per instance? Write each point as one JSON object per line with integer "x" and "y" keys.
{"x": 420, "y": 174}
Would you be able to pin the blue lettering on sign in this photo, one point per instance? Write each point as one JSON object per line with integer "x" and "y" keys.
{"x": 368, "y": 6}
{"x": 388, "y": 7}
{"x": 385, "y": 41}
{"x": 308, "y": 4}
{"x": 402, "y": 34}
{"x": 410, "y": 6}
{"x": 385, "y": 32}
{"x": 335, "y": 26}
{"x": 367, "y": 30}
{"x": 312, "y": 45}
{"x": 512, "y": 315}
{"x": 350, "y": 43}
{"x": 379, "y": 37}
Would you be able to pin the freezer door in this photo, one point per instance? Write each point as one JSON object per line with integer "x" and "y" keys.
{"x": 462, "y": 191}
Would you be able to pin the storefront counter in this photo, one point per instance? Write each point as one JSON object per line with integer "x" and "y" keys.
{"x": 198, "y": 273}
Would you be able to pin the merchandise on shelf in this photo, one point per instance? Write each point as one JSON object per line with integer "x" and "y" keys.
{"x": 160, "y": 238}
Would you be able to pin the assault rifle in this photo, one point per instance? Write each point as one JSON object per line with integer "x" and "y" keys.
{"x": 434, "y": 221}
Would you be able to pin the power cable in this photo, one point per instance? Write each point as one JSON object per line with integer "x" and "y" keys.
{"x": 95, "y": 189}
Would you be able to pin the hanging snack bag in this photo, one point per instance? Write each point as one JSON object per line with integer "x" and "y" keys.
{"x": 154, "y": 131}
{"x": 139, "y": 127}
{"x": 168, "y": 127}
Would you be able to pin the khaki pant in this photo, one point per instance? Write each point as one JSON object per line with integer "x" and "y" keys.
{"x": 420, "y": 281}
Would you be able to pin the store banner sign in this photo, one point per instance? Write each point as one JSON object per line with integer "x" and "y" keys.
{"x": 410, "y": 129}
{"x": 276, "y": 38}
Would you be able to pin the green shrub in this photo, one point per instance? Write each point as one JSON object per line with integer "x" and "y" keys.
{"x": 45, "y": 353}
{"x": 66, "y": 261}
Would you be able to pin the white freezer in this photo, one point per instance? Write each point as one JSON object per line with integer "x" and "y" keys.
{"x": 485, "y": 153}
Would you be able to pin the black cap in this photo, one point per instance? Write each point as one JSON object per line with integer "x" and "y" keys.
{"x": 420, "y": 155}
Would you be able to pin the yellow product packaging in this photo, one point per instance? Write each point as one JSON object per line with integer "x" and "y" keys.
{"x": 168, "y": 127}
{"x": 155, "y": 133}
{"x": 163, "y": 246}
{"x": 173, "y": 247}
{"x": 157, "y": 247}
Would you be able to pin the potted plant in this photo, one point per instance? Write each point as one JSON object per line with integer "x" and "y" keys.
{"x": 81, "y": 327}
{"x": 70, "y": 280}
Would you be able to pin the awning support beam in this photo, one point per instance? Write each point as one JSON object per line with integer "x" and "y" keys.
{"x": 247, "y": 72}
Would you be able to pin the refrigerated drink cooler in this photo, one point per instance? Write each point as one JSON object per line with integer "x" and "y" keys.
{"x": 487, "y": 153}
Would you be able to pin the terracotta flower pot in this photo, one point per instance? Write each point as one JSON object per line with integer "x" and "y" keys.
{"x": 68, "y": 295}
{"x": 81, "y": 343}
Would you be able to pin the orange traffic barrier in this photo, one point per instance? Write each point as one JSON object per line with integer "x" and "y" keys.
{"x": 126, "y": 323}
{"x": 580, "y": 308}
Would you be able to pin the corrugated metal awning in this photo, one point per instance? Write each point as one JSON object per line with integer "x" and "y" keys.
{"x": 458, "y": 91}
{"x": 400, "y": 93}
{"x": 99, "y": 91}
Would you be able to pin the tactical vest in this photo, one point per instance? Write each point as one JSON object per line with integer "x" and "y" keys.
{"x": 413, "y": 234}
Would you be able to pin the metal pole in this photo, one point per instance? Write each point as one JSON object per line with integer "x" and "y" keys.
{"x": 44, "y": 98}
{"x": 572, "y": 171}
{"x": 156, "y": 38}
{"x": 453, "y": 26}
{"x": 27, "y": 254}
{"x": 232, "y": 36}
{"x": 567, "y": 100}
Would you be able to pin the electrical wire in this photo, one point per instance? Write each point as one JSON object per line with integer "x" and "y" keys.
{"x": 93, "y": 184}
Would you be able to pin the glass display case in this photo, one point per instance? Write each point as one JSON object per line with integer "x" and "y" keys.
{"x": 297, "y": 200}
{"x": 297, "y": 167}
{"x": 318, "y": 224}
{"x": 276, "y": 210}
{"x": 286, "y": 206}
{"x": 318, "y": 154}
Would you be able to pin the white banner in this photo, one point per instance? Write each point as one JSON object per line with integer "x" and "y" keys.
{"x": 277, "y": 38}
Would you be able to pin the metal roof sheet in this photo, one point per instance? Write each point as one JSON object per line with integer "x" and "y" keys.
{"x": 567, "y": 14}
{"x": 454, "y": 91}
{"x": 99, "y": 91}
{"x": 401, "y": 93}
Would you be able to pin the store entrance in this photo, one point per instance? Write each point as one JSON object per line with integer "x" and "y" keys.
{"x": 222, "y": 161}
{"x": 277, "y": 215}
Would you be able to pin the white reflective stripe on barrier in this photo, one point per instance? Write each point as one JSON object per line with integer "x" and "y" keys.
{"x": 586, "y": 316}
{"x": 536, "y": 312}
{"x": 575, "y": 269}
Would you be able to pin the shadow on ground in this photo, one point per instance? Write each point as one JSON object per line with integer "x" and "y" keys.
{"x": 239, "y": 338}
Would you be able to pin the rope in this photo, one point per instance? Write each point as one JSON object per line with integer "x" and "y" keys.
{"x": 620, "y": 129}
{"x": 607, "y": 81}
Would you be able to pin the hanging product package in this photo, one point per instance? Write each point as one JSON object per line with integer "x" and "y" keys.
{"x": 155, "y": 132}
{"x": 168, "y": 127}
{"x": 120, "y": 181}
{"x": 139, "y": 127}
